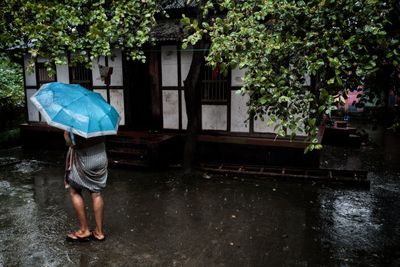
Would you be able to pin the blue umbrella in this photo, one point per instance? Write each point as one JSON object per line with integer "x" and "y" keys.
{"x": 73, "y": 108}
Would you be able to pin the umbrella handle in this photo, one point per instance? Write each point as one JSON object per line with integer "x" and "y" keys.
{"x": 71, "y": 135}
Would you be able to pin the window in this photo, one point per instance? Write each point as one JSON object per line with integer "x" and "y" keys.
{"x": 81, "y": 75}
{"x": 214, "y": 87}
{"x": 43, "y": 75}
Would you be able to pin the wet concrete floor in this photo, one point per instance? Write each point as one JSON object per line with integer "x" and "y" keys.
{"x": 162, "y": 219}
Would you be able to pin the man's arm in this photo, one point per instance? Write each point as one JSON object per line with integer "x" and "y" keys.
{"x": 67, "y": 138}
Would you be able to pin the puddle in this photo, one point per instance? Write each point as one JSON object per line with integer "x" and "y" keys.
{"x": 4, "y": 185}
{"x": 30, "y": 166}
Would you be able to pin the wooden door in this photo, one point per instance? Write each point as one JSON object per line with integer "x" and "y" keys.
{"x": 142, "y": 93}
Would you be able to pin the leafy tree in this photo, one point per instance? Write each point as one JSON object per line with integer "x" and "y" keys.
{"x": 11, "y": 82}
{"x": 88, "y": 29}
{"x": 338, "y": 44}
{"x": 11, "y": 91}
{"x": 192, "y": 84}
{"x": 84, "y": 28}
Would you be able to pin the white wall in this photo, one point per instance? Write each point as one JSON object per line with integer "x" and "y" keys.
{"x": 237, "y": 76}
{"x": 239, "y": 112}
{"x": 30, "y": 80}
{"x": 169, "y": 78}
{"x": 263, "y": 127}
{"x": 96, "y": 73}
{"x": 62, "y": 73}
{"x": 30, "y": 77}
{"x": 184, "y": 115}
{"x": 116, "y": 63}
{"x": 116, "y": 95}
{"x": 170, "y": 103}
{"x": 117, "y": 101}
{"x": 169, "y": 66}
{"x": 33, "y": 113}
{"x": 214, "y": 117}
{"x": 186, "y": 60}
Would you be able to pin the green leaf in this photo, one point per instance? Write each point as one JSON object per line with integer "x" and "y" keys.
{"x": 262, "y": 100}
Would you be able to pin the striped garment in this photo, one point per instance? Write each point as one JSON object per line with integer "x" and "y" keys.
{"x": 88, "y": 167}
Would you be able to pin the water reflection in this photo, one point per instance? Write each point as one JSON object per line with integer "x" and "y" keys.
{"x": 358, "y": 225}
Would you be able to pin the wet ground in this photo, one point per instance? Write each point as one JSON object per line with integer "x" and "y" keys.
{"x": 163, "y": 219}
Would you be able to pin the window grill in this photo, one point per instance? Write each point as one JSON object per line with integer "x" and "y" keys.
{"x": 81, "y": 75}
{"x": 214, "y": 86}
{"x": 43, "y": 75}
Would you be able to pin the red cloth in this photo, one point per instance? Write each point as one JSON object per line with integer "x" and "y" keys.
{"x": 215, "y": 72}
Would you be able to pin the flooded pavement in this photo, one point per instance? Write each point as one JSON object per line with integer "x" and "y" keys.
{"x": 163, "y": 219}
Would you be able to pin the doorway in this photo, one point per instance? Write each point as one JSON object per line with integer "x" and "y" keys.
{"x": 140, "y": 94}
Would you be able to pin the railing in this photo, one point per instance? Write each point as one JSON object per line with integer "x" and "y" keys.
{"x": 43, "y": 75}
{"x": 214, "y": 87}
{"x": 81, "y": 75}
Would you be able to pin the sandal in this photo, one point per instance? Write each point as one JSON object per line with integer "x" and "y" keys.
{"x": 95, "y": 238}
{"x": 74, "y": 237}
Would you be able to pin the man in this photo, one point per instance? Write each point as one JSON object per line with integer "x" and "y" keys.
{"x": 86, "y": 167}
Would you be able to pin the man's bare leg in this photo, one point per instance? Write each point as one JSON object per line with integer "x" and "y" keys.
{"x": 79, "y": 206}
{"x": 98, "y": 206}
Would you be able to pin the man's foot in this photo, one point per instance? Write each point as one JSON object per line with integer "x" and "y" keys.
{"x": 79, "y": 236}
{"x": 98, "y": 237}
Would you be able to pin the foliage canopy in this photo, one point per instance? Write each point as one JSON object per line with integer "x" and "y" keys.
{"x": 84, "y": 28}
{"x": 299, "y": 55}
{"x": 11, "y": 83}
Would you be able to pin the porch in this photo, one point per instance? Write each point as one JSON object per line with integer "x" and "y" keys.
{"x": 127, "y": 149}
{"x": 132, "y": 148}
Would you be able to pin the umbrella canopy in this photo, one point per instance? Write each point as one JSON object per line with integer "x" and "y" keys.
{"x": 72, "y": 107}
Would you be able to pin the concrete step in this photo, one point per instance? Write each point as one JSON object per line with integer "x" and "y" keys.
{"x": 127, "y": 152}
{"x": 126, "y": 142}
{"x": 118, "y": 162}
{"x": 355, "y": 177}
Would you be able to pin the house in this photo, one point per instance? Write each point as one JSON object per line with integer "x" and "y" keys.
{"x": 150, "y": 98}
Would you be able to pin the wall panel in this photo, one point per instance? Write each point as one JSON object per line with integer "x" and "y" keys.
{"x": 116, "y": 63}
{"x": 237, "y": 76}
{"x": 62, "y": 73}
{"x": 96, "y": 73}
{"x": 117, "y": 101}
{"x": 239, "y": 113}
{"x": 214, "y": 117}
{"x": 186, "y": 60}
{"x": 33, "y": 113}
{"x": 170, "y": 109}
{"x": 169, "y": 66}
{"x": 30, "y": 76}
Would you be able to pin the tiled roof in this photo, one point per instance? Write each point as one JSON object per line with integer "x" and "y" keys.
{"x": 176, "y": 4}
{"x": 168, "y": 30}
